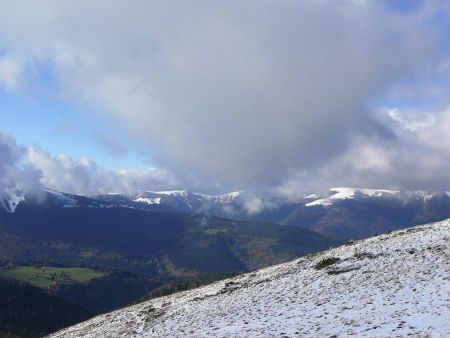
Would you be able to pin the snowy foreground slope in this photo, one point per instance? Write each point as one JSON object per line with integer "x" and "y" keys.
{"x": 393, "y": 285}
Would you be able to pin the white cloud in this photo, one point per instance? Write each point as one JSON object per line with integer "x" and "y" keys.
{"x": 253, "y": 204}
{"x": 235, "y": 94}
{"x": 411, "y": 120}
{"x": 10, "y": 73}
{"x": 83, "y": 176}
{"x": 436, "y": 136}
{"x": 15, "y": 173}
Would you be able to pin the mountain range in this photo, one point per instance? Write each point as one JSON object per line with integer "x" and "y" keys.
{"x": 152, "y": 243}
{"x": 342, "y": 214}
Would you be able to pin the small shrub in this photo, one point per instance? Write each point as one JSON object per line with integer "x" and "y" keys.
{"x": 326, "y": 262}
{"x": 362, "y": 255}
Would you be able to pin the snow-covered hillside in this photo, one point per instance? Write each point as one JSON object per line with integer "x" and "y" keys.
{"x": 393, "y": 285}
{"x": 345, "y": 193}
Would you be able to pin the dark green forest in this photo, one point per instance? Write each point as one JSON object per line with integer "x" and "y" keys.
{"x": 27, "y": 311}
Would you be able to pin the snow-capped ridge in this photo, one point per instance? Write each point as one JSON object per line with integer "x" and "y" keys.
{"x": 345, "y": 193}
{"x": 222, "y": 205}
{"x": 64, "y": 199}
{"x": 189, "y": 198}
{"x": 182, "y": 193}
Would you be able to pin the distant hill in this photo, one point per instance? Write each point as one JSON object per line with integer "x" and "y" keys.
{"x": 141, "y": 241}
{"x": 360, "y": 213}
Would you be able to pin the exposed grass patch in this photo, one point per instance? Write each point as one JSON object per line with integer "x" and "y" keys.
{"x": 215, "y": 231}
{"x": 45, "y": 276}
{"x": 87, "y": 254}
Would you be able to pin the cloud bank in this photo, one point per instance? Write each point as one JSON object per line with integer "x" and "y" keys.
{"x": 85, "y": 177}
{"x": 17, "y": 177}
{"x": 29, "y": 170}
{"x": 243, "y": 94}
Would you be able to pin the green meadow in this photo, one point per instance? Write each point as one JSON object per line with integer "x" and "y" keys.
{"x": 45, "y": 276}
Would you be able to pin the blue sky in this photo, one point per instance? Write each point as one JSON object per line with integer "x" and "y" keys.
{"x": 60, "y": 126}
{"x": 38, "y": 115}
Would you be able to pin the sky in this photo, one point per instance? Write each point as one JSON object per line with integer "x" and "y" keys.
{"x": 283, "y": 96}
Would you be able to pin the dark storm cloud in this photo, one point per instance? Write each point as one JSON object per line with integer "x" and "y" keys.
{"x": 240, "y": 94}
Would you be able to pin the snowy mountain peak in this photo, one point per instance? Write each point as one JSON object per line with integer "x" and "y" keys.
{"x": 343, "y": 193}
{"x": 182, "y": 193}
{"x": 390, "y": 285}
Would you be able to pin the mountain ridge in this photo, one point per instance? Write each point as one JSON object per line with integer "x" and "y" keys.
{"x": 191, "y": 201}
{"x": 344, "y": 214}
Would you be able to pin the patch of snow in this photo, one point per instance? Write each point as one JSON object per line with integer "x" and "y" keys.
{"x": 148, "y": 200}
{"x": 392, "y": 285}
{"x": 171, "y": 192}
{"x": 312, "y": 196}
